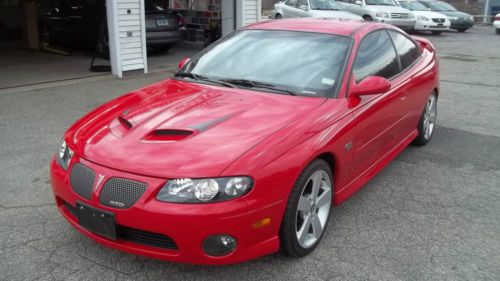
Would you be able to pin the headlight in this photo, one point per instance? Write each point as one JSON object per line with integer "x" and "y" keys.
{"x": 204, "y": 190}
{"x": 64, "y": 155}
{"x": 422, "y": 18}
{"x": 471, "y": 18}
{"x": 453, "y": 18}
{"x": 381, "y": 14}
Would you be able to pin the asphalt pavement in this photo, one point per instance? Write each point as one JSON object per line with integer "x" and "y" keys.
{"x": 432, "y": 214}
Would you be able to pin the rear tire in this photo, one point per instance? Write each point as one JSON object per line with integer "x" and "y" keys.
{"x": 497, "y": 31}
{"x": 307, "y": 211}
{"x": 461, "y": 29}
{"x": 278, "y": 16}
{"x": 427, "y": 123}
{"x": 436, "y": 32}
{"x": 367, "y": 18}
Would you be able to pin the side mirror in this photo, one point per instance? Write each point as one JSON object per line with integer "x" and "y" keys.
{"x": 371, "y": 85}
{"x": 183, "y": 62}
{"x": 358, "y": 2}
{"x": 303, "y": 7}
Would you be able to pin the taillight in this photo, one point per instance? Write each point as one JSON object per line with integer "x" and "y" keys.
{"x": 497, "y": 18}
{"x": 181, "y": 21}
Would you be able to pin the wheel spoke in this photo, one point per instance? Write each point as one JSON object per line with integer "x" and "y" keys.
{"x": 316, "y": 225}
{"x": 316, "y": 185}
{"x": 304, "y": 204}
{"x": 325, "y": 198}
{"x": 304, "y": 229}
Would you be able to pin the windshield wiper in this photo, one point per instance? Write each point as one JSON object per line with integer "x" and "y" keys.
{"x": 204, "y": 78}
{"x": 256, "y": 84}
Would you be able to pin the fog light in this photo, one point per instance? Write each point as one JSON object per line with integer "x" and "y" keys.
{"x": 219, "y": 245}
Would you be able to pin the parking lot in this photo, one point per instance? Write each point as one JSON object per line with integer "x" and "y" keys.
{"x": 432, "y": 214}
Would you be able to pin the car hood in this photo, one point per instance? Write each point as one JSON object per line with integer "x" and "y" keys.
{"x": 334, "y": 14}
{"x": 180, "y": 129}
{"x": 389, "y": 9}
{"x": 430, "y": 14}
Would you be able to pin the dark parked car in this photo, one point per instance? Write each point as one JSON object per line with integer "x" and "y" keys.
{"x": 82, "y": 23}
{"x": 459, "y": 20}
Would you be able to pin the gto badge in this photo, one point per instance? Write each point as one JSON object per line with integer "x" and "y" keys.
{"x": 99, "y": 180}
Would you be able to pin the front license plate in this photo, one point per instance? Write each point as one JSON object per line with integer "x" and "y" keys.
{"x": 440, "y": 24}
{"x": 161, "y": 22}
{"x": 96, "y": 221}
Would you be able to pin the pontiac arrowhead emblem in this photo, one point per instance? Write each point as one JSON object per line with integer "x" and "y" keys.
{"x": 99, "y": 180}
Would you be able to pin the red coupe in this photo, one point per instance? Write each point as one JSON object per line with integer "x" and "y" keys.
{"x": 245, "y": 151}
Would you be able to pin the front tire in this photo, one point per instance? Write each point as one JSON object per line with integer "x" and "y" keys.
{"x": 308, "y": 210}
{"x": 367, "y": 18}
{"x": 461, "y": 29}
{"x": 278, "y": 16}
{"x": 436, "y": 32}
{"x": 427, "y": 121}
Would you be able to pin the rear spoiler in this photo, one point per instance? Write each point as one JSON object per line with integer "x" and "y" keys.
{"x": 424, "y": 43}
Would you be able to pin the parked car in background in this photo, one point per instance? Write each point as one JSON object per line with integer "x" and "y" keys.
{"x": 386, "y": 11}
{"x": 496, "y": 23}
{"x": 311, "y": 9}
{"x": 459, "y": 20}
{"x": 78, "y": 23}
{"x": 426, "y": 20}
{"x": 232, "y": 159}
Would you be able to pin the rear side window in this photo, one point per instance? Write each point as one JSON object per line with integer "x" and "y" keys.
{"x": 376, "y": 57}
{"x": 291, "y": 3}
{"x": 407, "y": 50}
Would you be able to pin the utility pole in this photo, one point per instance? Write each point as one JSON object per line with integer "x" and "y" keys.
{"x": 486, "y": 10}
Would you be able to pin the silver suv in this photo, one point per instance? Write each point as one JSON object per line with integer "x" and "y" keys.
{"x": 387, "y": 11}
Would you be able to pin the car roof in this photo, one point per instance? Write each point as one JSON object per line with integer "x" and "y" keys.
{"x": 320, "y": 25}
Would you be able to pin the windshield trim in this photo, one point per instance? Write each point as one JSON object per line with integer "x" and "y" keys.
{"x": 332, "y": 93}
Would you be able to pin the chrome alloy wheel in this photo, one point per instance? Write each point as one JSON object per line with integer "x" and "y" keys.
{"x": 430, "y": 116}
{"x": 313, "y": 209}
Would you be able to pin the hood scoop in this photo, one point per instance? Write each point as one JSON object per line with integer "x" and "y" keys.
{"x": 125, "y": 123}
{"x": 168, "y": 135}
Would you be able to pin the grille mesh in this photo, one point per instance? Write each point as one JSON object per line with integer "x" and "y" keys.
{"x": 82, "y": 180}
{"x": 438, "y": 20}
{"x": 121, "y": 193}
{"x": 399, "y": 16}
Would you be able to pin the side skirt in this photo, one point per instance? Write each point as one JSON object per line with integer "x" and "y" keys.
{"x": 373, "y": 170}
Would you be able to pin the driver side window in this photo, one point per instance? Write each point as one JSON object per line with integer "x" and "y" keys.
{"x": 302, "y": 3}
{"x": 376, "y": 57}
{"x": 291, "y": 3}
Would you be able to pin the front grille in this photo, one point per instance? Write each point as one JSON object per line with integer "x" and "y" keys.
{"x": 399, "y": 16}
{"x": 438, "y": 20}
{"x": 146, "y": 238}
{"x": 121, "y": 193}
{"x": 81, "y": 180}
{"x": 136, "y": 235}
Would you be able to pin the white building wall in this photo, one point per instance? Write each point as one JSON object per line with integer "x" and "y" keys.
{"x": 127, "y": 35}
{"x": 247, "y": 12}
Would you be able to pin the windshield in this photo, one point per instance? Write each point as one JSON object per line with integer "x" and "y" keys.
{"x": 303, "y": 62}
{"x": 381, "y": 2}
{"x": 325, "y": 5}
{"x": 441, "y": 6}
{"x": 413, "y": 6}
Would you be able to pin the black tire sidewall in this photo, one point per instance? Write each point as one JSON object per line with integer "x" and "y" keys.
{"x": 289, "y": 243}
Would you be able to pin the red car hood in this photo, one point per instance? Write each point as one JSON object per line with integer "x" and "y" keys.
{"x": 180, "y": 129}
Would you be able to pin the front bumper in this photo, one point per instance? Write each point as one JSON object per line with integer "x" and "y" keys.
{"x": 401, "y": 23}
{"x": 461, "y": 24}
{"x": 431, "y": 26}
{"x": 186, "y": 224}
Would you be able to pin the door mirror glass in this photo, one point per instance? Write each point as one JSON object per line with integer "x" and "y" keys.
{"x": 358, "y": 2}
{"x": 371, "y": 85}
{"x": 182, "y": 63}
